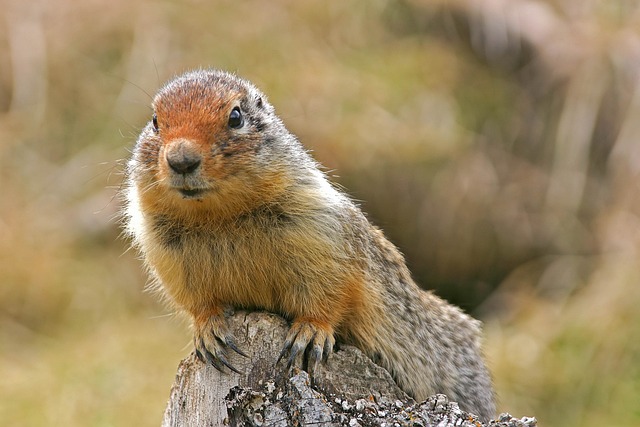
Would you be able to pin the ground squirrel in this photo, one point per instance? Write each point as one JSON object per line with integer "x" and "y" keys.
{"x": 229, "y": 210}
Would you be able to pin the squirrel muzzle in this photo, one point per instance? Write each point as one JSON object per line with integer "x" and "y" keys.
{"x": 182, "y": 156}
{"x": 183, "y": 159}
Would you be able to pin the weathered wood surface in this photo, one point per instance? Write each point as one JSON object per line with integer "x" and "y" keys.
{"x": 349, "y": 390}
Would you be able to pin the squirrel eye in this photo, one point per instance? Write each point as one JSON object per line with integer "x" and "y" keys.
{"x": 235, "y": 118}
{"x": 155, "y": 123}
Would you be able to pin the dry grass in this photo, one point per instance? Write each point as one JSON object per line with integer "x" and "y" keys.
{"x": 496, "y": 142}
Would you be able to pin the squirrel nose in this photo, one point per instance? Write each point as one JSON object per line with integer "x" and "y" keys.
{"x": 182, "y": 158}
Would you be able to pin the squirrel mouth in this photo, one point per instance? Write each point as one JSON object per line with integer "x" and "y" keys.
{"x": 193, "y": 193}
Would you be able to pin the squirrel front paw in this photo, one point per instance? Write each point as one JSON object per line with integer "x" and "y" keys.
{"x": 212, "y": 338}
{"x": 308, "y": 332}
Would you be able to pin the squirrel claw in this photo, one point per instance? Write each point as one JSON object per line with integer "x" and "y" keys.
{"x": 200, "y": 356}
{"x": 285, "y": 349}
{"x": 211, "y": 340}
{"x": 217, "y": 357}
{"x": 226, "y": 363}
{"x": 232, "y": 345}
{"x": 328, "y": 348}
{"x": 303, "y": 334}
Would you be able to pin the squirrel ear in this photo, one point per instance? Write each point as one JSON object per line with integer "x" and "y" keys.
{"x": 259, "y": 102}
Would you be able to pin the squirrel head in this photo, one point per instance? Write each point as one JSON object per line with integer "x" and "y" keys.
{"x": 214, "y": 145}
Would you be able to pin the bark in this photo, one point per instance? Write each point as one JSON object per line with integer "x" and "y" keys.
{"x": 347, "y": 390}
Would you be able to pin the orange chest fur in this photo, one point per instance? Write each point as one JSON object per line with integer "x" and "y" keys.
{"x": 199, "y": 270}
{"x": 255, "y": 268}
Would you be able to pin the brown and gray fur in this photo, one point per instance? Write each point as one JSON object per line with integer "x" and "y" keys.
{"x": 243, "y": 217}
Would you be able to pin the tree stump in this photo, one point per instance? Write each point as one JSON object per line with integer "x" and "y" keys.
{"x": 348, "y": 390}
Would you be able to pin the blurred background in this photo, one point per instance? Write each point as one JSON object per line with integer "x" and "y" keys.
{"x": 495, "y": 141}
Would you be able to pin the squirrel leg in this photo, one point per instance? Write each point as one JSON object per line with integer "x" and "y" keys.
{"x": 212, "y": 337}
{"x": 306, "y": 332}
